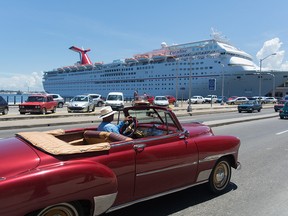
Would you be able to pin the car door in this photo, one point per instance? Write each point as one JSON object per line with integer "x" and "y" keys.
{"x": 164, "y": 163}
{"x": 50, "y": 103}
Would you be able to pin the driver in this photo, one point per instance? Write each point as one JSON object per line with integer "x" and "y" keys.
{"x": 107, "y": 116}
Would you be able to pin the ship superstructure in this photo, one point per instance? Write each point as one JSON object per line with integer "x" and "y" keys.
{"x": 181, "y": 70}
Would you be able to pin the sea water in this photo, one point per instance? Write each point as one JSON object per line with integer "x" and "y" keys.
{"x": 15, "y": 98}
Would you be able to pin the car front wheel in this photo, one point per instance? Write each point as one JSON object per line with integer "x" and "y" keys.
{"x": 5, "y": 111}
{"x": 43, "y": 111}
{"x": 61, "y": 209}
{"x": 220, "y": 176}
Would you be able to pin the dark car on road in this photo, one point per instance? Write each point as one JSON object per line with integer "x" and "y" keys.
{"x": 4, "y": 108}
{"x": 283, "y": 113}
{"x": 279, "y": 105}
{"x": 250, "y": 106}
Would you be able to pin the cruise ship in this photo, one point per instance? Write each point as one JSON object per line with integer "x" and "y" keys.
{"x": 212, "y": 66}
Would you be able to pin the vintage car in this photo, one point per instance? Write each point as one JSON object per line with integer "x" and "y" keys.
{"x": 87, "y": 172}
{"x": 250, "y": 106}
{"x": 283, "y": 113}
{"x": 140, "y": 101}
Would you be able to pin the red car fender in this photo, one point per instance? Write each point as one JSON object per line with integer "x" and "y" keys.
{"x": 57, "y": 183}
{"x": 211, "y": 148}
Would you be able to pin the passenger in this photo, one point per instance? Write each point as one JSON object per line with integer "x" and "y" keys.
{"x": 107, "y": 116}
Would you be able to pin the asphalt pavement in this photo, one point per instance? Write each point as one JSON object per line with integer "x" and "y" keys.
{"x": 63, "y": 117}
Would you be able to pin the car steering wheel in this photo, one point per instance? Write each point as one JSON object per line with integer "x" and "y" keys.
{"x": 129, "y": 127}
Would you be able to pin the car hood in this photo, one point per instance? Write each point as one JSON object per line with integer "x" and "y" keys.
{"x": 16, "y": 157}
{"x": 78, "y": 103}
{"x": 31, "y": 103}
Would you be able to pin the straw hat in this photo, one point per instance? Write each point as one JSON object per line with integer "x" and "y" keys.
{"x": 106, "y": 111}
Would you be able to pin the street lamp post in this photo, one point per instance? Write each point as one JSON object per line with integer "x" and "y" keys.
{"x": 222, "y": 89}
{"x": 189, "y": 108}
{"x": 260, "y": 79}
{"x": 177, "y": 77}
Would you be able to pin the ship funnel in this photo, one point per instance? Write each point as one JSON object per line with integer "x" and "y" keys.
{"x": 84, "y": 59}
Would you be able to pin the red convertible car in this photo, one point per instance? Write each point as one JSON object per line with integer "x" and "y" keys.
{"x": 87, "y": 172}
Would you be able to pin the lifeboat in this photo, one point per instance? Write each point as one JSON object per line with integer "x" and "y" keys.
{"x": 130, "y": 60}
{"x": 159, "y": 57}
{"x": 143, "y": 58}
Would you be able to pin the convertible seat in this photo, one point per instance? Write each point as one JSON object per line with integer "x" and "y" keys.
{"x": 49, "y": 143}
{"x": 91, "y": 137}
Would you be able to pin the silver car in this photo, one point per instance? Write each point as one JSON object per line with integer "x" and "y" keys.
{"x": 81, "y": 103}
{"x": 161, "y": 101}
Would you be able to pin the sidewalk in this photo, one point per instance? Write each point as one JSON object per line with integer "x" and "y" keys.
{"x": 17, "y": 121}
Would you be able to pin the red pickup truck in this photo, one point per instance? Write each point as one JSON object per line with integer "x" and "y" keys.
{"x": 38, "y": 104}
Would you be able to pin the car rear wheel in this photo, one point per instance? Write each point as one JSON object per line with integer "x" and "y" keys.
{"x": 61, "y": 209}
{"x": 220, "y": 176}
{"x": 53, "y": 110}
{"x": 99, "y": 104}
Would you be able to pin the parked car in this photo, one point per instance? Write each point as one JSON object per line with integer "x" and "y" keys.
{"x": 238, "y": 100}
{"x": 279, "y": 105}
{"x": 283, "y": 113}
{"x": 250, "y": 106}
{"x": 97, "y": 99}
{"x": 220, "y": 100}
{"x": 262, "y": 99}
{"x": 140, "y": 101}
{"x": 171, "y": 99}
{"x": 150, "y": 98}
{"x": 58, "y": 99}
{"x": 38, "y": 103}
{"x": 161, "y": 101}
{"x": 270, "y": 100}
{"x": 196, "y": 100}
{"x": 81, "y": 103}
{"x": 208, "y": 98}
{"x": 87, "y": 172}
{"x": 4, "y": 108}
{"x": 115, "y": 100}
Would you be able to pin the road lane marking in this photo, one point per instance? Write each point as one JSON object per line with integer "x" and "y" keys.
{"x": 282, "y": 132}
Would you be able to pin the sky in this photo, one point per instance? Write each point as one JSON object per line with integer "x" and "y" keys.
{"x": 36, "y": 35}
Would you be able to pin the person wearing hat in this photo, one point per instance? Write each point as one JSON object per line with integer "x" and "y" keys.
{"x": 107, "y": 116}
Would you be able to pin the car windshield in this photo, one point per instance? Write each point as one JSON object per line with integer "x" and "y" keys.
{"x": 114, "y": 97}
{"x": 160, "y": 98}
{"x": 80, "y": 98}
{"x": 252, "y": 102}
{"x": 153, "y": 116}
{"x": 35, "y": 99}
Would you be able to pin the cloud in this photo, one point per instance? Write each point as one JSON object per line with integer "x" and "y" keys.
{"x": 31, "y": 82}
{"x": 273, "y": 62}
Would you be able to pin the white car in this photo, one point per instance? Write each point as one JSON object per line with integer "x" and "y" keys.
{"x": 97, "y": 99}
{"x": 237, "y": 100}
{"x": 270, "y": 100}
{"x": 115, "y": 100}
{"x": 59, "y": 99}
{"x": 161, "y": 101}
{"x": 208, "y": 98}
{"x": 196, "y": 100}
{"x": 81, "y": 103}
